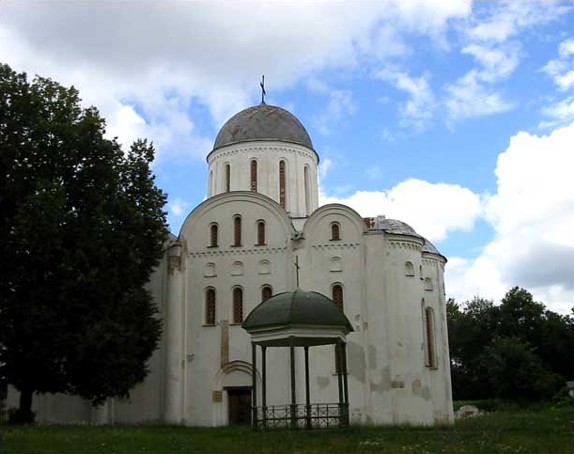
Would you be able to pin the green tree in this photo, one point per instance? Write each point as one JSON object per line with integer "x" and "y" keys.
{"x": 82, "y": 227}
{"x": 486, "y": 364}
{"x": 515, "y": 371}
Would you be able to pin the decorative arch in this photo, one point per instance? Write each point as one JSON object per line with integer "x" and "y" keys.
{"x": 264, "y": 267}
{"x": 409, "y": 269}
{"x": 210, "y": 270}
{"x": 237, "y": 268}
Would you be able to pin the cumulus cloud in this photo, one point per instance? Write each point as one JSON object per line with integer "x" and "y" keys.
{"x": 494, "y": 44}
{"x": 418, "y": 109}
{"x": 469, "y": 97}
{"x": 206, "y": 54}
{"x": 428, "y": 207}
{"x": 532, "y": 213}
{"x": 561, "y": 70}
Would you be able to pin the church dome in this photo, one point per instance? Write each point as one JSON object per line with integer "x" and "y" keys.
{"x": 263, "y": 122}
{"x": 297, "y": 308}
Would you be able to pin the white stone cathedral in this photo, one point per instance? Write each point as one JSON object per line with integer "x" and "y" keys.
{"x": 238, "y": 248}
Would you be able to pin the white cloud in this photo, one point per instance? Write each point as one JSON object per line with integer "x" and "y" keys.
{"x": 207, "y": 54}
{"x": 509, "y": 18}
{"x": 532, "y": 214}
{"x": 340, "y": 105}
{"x": 496, "y": 63}
{"x": 468, "y": 97}
{"x": 418, "y": 109}
{"x": 432, "y": 209}
{"x": 562, "y": 69}
{"x": 493, "y": 42}
{"x": 178, "y": 207}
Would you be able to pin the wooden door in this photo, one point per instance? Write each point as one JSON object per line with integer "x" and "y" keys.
{"x": 239, "y": 405}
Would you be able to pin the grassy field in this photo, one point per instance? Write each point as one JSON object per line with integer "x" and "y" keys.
{"x": 547, "y": 431}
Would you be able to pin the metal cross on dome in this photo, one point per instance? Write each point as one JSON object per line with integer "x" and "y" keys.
{"x": 263, "y": 92}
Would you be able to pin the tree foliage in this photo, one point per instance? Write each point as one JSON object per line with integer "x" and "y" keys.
{"x": 515, "y": 350}
{"x": 82, "y": 227}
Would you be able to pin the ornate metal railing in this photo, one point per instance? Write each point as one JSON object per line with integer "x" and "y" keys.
{"x": 300, "y": 416}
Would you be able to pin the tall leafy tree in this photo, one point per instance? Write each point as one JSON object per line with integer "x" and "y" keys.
{"x": 517, "y": 349}
{"x": 82, "y": 227}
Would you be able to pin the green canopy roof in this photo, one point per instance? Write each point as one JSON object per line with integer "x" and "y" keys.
{"x": 297, "y": 309}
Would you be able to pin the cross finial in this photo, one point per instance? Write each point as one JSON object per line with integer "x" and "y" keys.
{"x": 297, "y": 269}
{"x": 263, "y": 93}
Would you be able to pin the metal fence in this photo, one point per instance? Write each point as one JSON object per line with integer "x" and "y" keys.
{"x": 300, "y": 416}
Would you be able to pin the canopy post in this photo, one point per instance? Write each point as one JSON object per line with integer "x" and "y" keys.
{"x": 254, "y": 384}
{"x": 307, "y": 392}
{"x": 293, "y": 390}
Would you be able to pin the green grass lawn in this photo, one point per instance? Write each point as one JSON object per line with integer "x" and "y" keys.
{"x": 547, "y": 431}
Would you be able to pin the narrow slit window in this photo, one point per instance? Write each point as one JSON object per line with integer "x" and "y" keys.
{"x": 335, "y": 231}
{"x": 227, "y": 177}
{"x": 213, "y": 235}
{"x": 266, "y": 293}
{"x": 237, "y": 305}
{"x": 307, "y": 195}
{"x": 210, "y": 306}
{"x": 253, "y": 175}
{"x": 237, "y": 231}
{"x": 337, "y": 296}
{"x": 282, "y": 190}
{"x": 430, "y": 345}
{"x": 260, "y": 233}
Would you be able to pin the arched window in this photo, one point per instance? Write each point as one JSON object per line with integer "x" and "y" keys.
{"x": 210, "y": 306}
{"x": 237, "y": 305}
{"x": 266, "y": 292}
{"x": 307, "y": 195}
{"x": 260, "y": 233}
{"x": 213, "y": 235}
{"x": 337, "y": 295}
{"x": 409, "y": 269}
{"x": 282, "y": 190}
{"x": 227, "y": 177}
{"x": 253, "y": 175}
{"x": 421, "y": 272}
{"x": 237, "y": 230}
{"x": 430, "y": 353}
{"x": 335, "y": 231}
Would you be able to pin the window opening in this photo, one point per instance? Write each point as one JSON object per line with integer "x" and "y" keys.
{"x": 213, "y": 235}
{"x": 253, "y": 175}
{"x": 335, "y": 231}
{"x": 237, "y": 305}
{"x": 237, "y": 231}
{"x": 266, "y": 293}
{"x": 282, "y": 190}
{"x": 227, "y": 177}
{"x": 260, "y": 233}
{"x": 210, "y": 306}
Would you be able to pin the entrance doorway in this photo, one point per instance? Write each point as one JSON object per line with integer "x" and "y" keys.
{"x": 239, "y": 405}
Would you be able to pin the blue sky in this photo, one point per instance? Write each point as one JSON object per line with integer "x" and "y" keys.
{"x": 454, "y": 116}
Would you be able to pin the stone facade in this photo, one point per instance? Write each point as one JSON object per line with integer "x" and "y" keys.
{"x": 244, "y": 240}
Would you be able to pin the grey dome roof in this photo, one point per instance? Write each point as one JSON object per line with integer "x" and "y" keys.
{"x": 263, "y": 122}
{"x": 297, "y": 308}
{"x": 395, "y": 226}
{"x": 429, "y": 247}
